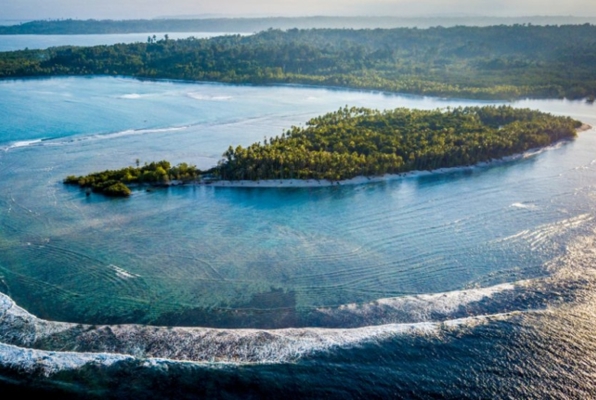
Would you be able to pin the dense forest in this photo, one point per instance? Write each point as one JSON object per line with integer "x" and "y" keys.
{"x": 362, "y": 142}
{"x": 251, "y": 25}
{"x": 497, "y": 62}
{"x": 114, "y": 182}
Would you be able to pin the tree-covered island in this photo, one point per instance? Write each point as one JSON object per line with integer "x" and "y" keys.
{"x": 115, "y": 182}
{"x": 363, "y": 142}
{"x": 256, "y": 24}
{"x": 494, "y": 62}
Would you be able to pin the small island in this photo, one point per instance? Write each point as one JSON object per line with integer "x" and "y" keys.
{"x": 353, "y": 142}
{"x": 115, "y": 182}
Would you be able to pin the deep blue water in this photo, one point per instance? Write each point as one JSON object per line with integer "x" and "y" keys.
{"x": 325, "y": 257}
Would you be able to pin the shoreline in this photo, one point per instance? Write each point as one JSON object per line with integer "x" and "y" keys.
{"x": 359, "y": 180}
{"x": 305, "y": 85}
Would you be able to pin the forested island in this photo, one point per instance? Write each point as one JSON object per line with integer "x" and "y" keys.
{"x": 363, "y": 142}
{"x": 115, "y": 182}
{"x": 251, "y": 25}
{"x": 496, "y": 62}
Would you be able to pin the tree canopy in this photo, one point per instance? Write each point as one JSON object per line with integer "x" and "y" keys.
{"x": 354, "y": 142}
{"x": 471, "y": 62}
{"x": 114, "y": 182}
{"x": 363, "y": 142}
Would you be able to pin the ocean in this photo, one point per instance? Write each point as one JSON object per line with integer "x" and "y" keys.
{"x": 476, "y": 282}
{"x": 31, "y": 42}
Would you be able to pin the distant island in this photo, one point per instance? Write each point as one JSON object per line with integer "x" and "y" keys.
{"x": 355, "y": 142}
{"x": 251, "y": 25}
{"x": 496, "y": 62}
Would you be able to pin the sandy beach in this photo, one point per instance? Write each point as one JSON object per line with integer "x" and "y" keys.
{"x": 359, "y": 180}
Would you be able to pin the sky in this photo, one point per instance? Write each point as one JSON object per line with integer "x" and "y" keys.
{"x": 128, "y": 9}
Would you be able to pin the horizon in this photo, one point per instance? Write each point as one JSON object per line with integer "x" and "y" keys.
{"x": 28, "y": 10}
{"x": 231, "y": 16}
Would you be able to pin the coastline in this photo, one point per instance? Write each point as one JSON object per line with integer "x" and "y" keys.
{"x": 359, "y": 180}
{"x": 583, "y": 128}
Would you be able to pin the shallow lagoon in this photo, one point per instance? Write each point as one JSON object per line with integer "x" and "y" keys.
{"x": 513, "y": 242}
{"x": 235, "y": 257}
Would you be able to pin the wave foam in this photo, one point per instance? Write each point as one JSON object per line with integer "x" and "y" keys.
{"x": 122, "y": 273}
{"x": 417, "y": 308}
{"x": 22, "y": 143}
{"x": 23, "y": 335}
{"x": 133, "y": 132}
{"x": 156, "y": 345}
{"x": 47, "y": 363}
{"x": 524, "y": 205}
{"x": 107, "y": 344}
{"x": 543, "y": 233}
{"x": 200, "y": 96}
{"x": 132, "y": 96}
{"x": 113, "y": 135}
{"x": 90, "y": 137}
{"x": 20, "y": 328}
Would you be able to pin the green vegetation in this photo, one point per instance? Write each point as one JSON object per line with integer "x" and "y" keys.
{"x": 362, "y": 142}
{"x": 118, "y": 189}
{"x": 114, "y": 182}
{"x": 498, "y": 62}
{"x": 358, "y": 141}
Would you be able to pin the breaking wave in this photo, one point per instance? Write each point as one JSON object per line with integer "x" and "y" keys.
{"x": 22, "y": 143}
{"x": 46, "y": 347}
{"x": 91, "y": 137}
{"x": 135, "y": 96}
{"x": 527, "y": 206}
{"x": 200, "y": 96}
{"x": 130, "y": 96}
{"x": 27, "y": 338}
{"x": 131, "y": 132}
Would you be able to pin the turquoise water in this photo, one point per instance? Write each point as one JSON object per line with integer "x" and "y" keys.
{"x": 187, "y": 256}
{"x": 511, "y": 243}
